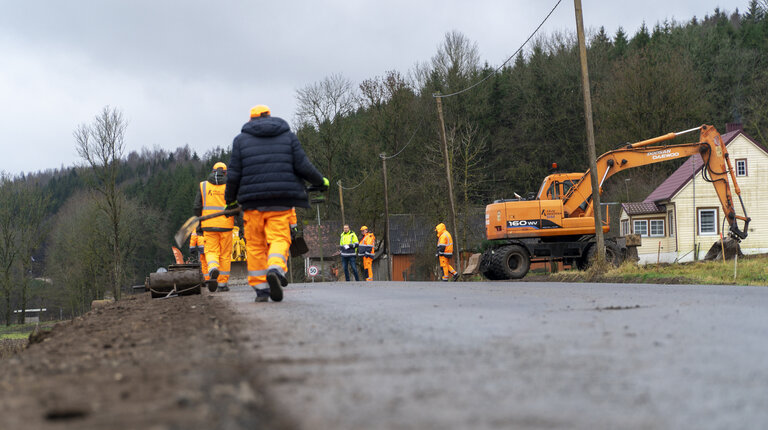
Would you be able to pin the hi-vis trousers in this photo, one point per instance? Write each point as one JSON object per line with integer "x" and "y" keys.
{"x": 267, "y": 239}
{"x": 448, "y": 270}
{"x": 218, "y": 254}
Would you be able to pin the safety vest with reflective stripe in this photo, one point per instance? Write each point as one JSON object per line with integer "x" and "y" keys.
{"x": 365, "y": 248}
{"x": 213, "y": 201}
{"x": 445, "y": 245}
{"x": 347, "y": 244}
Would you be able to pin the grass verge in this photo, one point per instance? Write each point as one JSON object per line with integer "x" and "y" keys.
{"x": 750, "y": 270}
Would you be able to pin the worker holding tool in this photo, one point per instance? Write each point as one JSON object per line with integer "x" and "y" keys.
{"x": 217, "y": 232}
{"x": 348, "y": 249}
{"x": 445, "y": 252}
{"x": 266, "y": 174}
{"x": 365, "y": 248}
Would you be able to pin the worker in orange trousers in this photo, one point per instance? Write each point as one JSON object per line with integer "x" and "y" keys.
{"x": 445, "y": 252}
{"x": 365, "y": 248}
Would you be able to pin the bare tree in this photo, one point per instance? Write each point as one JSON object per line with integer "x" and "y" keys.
{"x": 457, "y": 59}
{"x": 323, "y": 106}
{"x": 101, "y": 145}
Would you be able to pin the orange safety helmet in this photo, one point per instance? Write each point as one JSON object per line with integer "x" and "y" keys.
{"x": 220, "y": 165}
{"x": 260, "y": 110}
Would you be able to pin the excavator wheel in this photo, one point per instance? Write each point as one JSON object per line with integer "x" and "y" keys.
{"x": 612, "y": 255}
{"x": 508, "y": 262}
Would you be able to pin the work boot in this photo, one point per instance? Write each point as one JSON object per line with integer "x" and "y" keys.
{"x": 223, "y": 288}
{"x": 212, "y": 285}
{"x": 214, "y": 274}
{"x": 455, "y": 276}
{"x": 276, "y": 281}
{"x": 262, "y": 296}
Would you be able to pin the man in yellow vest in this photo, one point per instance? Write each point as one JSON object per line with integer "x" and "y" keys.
{"x": 365, "y": 248}
{"x": 445, "y": 252}
{"x": 348, "y": 251}
{"x": 217, "y": 231}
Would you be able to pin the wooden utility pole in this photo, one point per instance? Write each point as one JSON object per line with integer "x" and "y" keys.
{"x": 341, "y": 202}
{"x": 596, "y": 207}
{"x": 386, "y": 215}
{"x": 450, "y": 180}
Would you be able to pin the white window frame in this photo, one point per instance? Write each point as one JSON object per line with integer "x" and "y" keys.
{"x": 653, "y": 221}
{"x": 624, "y": 227}
{"x": 640, "y": 221}
{"x": 671, "y": 223}
{"x": 741, "y": 167}
{"x": 698, "y": 218}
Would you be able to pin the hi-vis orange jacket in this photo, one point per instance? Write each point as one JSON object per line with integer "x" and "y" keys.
{"x": 365, "y": 248}
{"x": 444, "y": 241}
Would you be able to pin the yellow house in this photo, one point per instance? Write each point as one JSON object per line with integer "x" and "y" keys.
{"x": 683, "y": 215}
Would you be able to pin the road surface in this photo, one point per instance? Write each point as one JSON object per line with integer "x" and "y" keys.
{"x": 501, "y": 355}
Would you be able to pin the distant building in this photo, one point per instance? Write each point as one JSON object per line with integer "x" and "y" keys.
{"x": 413, "y": 241}
{"x": 674, "y": 220}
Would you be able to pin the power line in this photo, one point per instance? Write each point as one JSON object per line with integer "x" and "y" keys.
{"x": 352, "y": 188}
{"x": 418, "y": 127}
{"x": 508, "y": 59}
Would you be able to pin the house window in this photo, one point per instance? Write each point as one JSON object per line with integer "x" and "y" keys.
{"x": 671, "y": 223}
{"x": 640, "y": 226}
{"x": 657, "y": 227}
{"x": 624, "y": 227}
{"x": 707, "y": 222}
{"x": 741, "y": 167}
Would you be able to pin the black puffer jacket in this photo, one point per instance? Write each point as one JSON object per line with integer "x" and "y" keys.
{"x": 268, "y": 167}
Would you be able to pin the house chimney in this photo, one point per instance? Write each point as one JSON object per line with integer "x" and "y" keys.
{"x": 733, "y": 126}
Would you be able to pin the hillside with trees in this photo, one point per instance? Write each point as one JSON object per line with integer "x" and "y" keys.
{"x": 71, "y": 235}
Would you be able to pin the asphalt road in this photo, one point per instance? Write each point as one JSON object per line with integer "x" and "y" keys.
{"x": 513, "y": 355}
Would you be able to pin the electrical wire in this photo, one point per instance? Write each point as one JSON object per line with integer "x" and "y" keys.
{"x": 418, "y": 127}
{"x": 352, "y": 188}
{"x": 508, "y": 59}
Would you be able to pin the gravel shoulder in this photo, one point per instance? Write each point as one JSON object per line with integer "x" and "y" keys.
{"x": 138, "y": 364}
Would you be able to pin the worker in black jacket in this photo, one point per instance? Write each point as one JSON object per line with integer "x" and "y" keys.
{"x": 266, "y": 177}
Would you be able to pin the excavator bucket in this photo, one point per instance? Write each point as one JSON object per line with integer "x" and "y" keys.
{"x": 729, "y": 246}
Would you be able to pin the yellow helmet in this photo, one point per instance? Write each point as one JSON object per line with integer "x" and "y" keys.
{"x": 220, "y": 165}
{"x": 260, "y": 110}
{"x": 363, "y": 228}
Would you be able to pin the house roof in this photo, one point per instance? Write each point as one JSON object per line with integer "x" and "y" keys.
{"x": 677, "y": 180}
{"x": 642, "y": 208}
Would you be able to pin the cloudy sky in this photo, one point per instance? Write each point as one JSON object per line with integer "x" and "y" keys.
{"x": 187, "y": 72}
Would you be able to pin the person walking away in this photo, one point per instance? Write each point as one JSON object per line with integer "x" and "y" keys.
{"x": 217, "y": 232}
{"x": 347, "y": 247}
{"x": 445, "y": 252}
{"x": 365, "y": 248}
{"x": 197, "y": 250}
{"x": 266, "y": 177}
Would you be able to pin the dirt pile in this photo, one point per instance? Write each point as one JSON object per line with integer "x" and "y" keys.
{"x": 138, "y": 363}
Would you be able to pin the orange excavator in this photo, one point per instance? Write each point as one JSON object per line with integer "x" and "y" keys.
{"x": 558, "y": 224}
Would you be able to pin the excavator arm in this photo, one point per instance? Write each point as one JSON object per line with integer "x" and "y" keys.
{"x": 717, "y": 167}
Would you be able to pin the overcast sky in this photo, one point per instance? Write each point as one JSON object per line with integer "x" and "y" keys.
{"x": 187, "y": 72}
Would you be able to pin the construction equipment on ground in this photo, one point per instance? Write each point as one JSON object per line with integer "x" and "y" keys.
{"x": 178, "y": 280}
{"x": 238, "y": 245}
{"x": 558, "y": 223}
